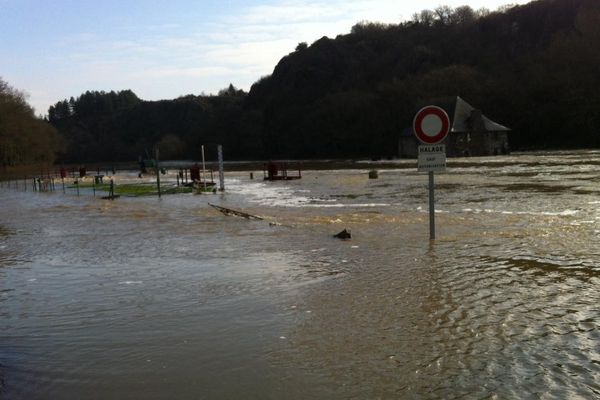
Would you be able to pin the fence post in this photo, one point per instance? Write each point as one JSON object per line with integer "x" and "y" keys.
{"x": 157, "y": 170}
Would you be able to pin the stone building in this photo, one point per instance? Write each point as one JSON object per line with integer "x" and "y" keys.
{"x": 471, "y": 134}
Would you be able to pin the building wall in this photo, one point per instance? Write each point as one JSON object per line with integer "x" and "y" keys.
{"x": 498, "y": 143}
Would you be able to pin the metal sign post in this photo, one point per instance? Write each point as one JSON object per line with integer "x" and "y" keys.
{"x": 431, "y": 125}
{"x": 431, "y": 208}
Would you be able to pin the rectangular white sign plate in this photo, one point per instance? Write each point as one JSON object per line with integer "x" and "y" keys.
{"x": 431, "y": 158}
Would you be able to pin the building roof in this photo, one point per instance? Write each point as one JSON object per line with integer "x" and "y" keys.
{"x": 463, "y": 121}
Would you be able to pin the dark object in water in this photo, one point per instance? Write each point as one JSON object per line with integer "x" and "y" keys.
{"x": 345, "y": 234}
{"x": 229, "y": 211}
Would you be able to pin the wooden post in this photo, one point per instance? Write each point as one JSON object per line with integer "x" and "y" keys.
{"x": 203, "y": 175}
{"x": 157, "y": 170}
{"x": 221, "y": 169}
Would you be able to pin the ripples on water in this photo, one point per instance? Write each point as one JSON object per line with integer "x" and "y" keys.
{"x": 157, "y": 299}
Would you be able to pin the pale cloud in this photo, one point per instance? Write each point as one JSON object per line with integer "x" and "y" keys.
{"x": 201, "y": 72}
{"x": 323, "y": 13}
{"x": 260, "y": 36}
{"x": 184, "y": 43}
{"x": 254, "y": 55}
{"x": 128, "y": 45}
{"x": 291, "y": 12}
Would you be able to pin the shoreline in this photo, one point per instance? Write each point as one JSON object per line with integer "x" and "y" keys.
{"x": 37, "y": 170}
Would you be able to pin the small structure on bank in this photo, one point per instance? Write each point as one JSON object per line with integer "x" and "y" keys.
{"x": 278, "y": 172}
{"x": 471, "y": 134}
{"x": 199, "y": 178}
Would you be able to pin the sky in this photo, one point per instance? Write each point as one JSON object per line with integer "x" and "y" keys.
{"x": 162, "y": 49}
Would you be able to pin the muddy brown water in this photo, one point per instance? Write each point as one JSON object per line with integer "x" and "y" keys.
{"x": 167, "y": 298}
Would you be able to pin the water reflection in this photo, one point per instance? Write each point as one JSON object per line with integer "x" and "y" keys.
{"x": 7, "y": 256}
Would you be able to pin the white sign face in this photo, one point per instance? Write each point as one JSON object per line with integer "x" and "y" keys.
{"x": 431, "y": 125}
{"x": 431, "y": 158}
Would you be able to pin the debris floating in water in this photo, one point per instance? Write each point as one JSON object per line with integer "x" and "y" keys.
{"x": 345, "y": 234}
{"x": 229, "y": 211}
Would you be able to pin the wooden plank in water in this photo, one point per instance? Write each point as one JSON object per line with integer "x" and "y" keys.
{"x": 229, "y": 211}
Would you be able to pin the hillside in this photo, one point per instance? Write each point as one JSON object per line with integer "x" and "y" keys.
{"x": 532, "y": 68}
{"x": 24, "y": 138}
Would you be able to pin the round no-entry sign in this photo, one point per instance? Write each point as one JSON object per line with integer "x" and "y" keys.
{"x": 431, "y": 124}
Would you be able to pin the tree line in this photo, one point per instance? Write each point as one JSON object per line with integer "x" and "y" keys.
{"x": 24, "y": 138}
{"x": 532, "y": 68}
{"x": 92, "y": 103}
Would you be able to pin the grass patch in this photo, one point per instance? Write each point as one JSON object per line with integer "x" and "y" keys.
{"x": 136, "y": 189}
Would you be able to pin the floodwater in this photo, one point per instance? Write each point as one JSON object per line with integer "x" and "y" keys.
{"x": 147, "y": 298}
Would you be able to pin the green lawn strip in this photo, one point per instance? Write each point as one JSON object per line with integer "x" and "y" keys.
{"x": 135, "y": 189}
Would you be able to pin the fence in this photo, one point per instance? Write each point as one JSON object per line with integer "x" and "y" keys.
{"x": 115, "y": 183}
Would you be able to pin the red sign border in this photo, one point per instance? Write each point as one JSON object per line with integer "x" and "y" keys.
{"x": 420, "y": 116}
